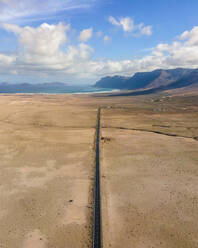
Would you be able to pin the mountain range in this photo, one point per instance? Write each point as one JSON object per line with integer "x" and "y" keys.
{"x": 155, "y": 80}
{"x": 141, "y": 82}
{"x": 6, "y": 87}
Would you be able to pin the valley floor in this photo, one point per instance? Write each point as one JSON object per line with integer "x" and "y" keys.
{"x": 149, "y": 179}
{"x": 149, "y": 182}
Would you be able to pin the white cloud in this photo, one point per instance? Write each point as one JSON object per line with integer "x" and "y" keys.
{"x": 12, "y": 9}
{"x": 106, "y": 39}
{"x": 191, "y": 36}
{"x": 6, "y": 59}
{"x": 81, "y": 52}
{"x": 86, "y": 34}
{"x": 184, "y": 35}
{"x": 44, "y": 40}
{"x": 128, "y": 25}
{"x": 41, "y": 54}
{"x": 144, "y": 30}
{"x": 162, "y": 47}
{"x": 113, "y": 21}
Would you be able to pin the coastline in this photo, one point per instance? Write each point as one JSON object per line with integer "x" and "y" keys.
{"x": 62, "y": 93}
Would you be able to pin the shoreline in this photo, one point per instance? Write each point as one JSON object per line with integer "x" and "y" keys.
{"x": 65, "y": 93}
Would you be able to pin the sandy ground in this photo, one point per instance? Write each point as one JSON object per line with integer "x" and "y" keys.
{"x": 149, "y": 178}
{"x": 46, "y": 172}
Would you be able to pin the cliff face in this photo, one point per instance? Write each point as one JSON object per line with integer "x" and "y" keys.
{"x": 173, "y": 78}
{"x": 116, "y": 82}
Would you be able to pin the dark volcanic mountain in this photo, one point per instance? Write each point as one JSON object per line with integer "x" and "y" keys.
{"x": 116, "y": 82}
{"x": 158, "y": 79}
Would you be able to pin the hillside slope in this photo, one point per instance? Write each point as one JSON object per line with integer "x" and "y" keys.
{"x": 157, "y": 79}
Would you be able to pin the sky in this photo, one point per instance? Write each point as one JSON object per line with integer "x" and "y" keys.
{"x": 80, "y": 41}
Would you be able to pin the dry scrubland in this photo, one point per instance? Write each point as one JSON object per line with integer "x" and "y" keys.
{"x": 149, "y": 176}
{"x": 46, "y": 172}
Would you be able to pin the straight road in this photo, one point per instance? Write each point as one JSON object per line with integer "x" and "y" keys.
{"x": 97, "y": 243}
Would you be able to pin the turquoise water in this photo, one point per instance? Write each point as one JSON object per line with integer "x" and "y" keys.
{"x": 60, "y": 89}
{"x": 83, "y": 90}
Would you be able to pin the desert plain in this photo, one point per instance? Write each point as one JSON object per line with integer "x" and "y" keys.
{"x": 148, "y": 160}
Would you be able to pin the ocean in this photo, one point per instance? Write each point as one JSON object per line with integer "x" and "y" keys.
{"x": 50, "y": 89}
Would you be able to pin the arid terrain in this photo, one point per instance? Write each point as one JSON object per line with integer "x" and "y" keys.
{"x": 149, "y": 176}
{"x": 46, "y": 172}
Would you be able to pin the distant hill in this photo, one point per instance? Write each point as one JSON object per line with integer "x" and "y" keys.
{"x": 157, "y": 79}
{"x": 32, "y": 88}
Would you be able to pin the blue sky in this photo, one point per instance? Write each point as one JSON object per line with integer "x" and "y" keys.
{"x": 79, "y": 41}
